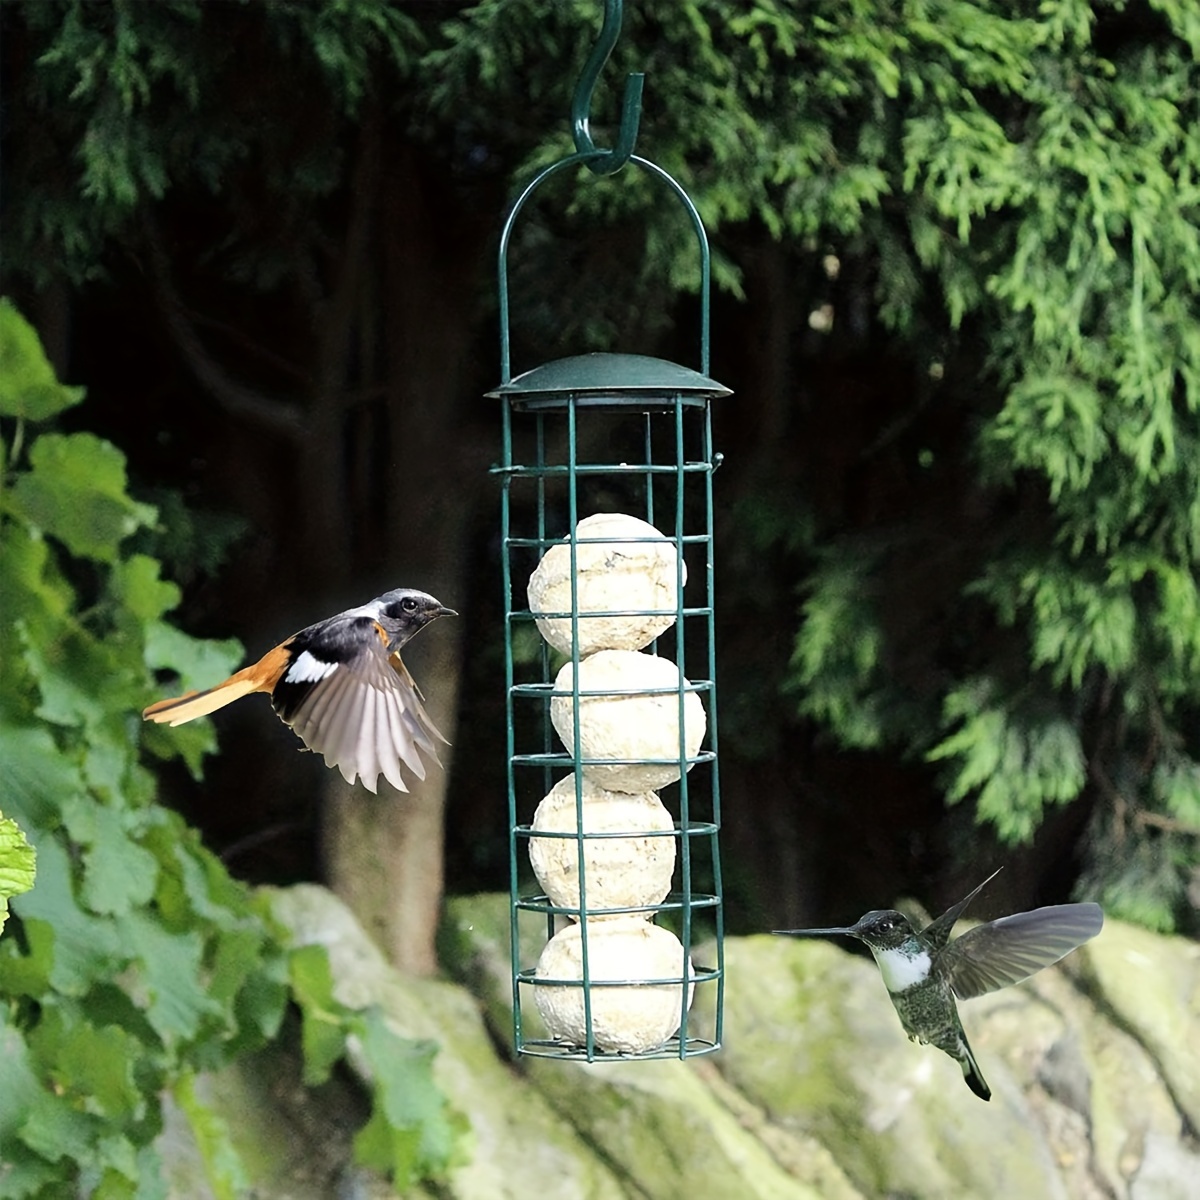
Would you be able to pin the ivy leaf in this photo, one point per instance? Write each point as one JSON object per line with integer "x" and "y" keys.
{"x": 118, "y": 874}
{"x": 168, "y": 976}
{"x": 137, "y": 584}
{"x": 86, "y": 947}
{"x": 76, "y": 490}
{"x": 323, "y": 1024}
{"x": 199, "y": 663}
{"x": 25, "y": 966}
{"x": 412, "y": 1132}
{"x": 223, "y": 1166}
{"x": 21, "y": 1084}
{"x": 87, "y": 1063}
{"x": 28, "y": 387}
{"x": 17, "y": 864}
{"x": 67, "y": 675}
{"x": 37, "y": 776}
{"x": 55, "y": 1128}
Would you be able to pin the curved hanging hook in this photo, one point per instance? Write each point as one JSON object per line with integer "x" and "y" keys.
{"x": 607, "y": 162}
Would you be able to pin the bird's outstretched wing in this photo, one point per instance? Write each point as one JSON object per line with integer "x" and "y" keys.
{"x": 1011, "y": 949}
{"x": 362, "y": 713}
{"x": 937, "y": 933}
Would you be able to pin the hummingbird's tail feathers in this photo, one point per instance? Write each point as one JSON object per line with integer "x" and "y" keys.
{"x": 972, "y": 1074}
{"x": 1011, "y": 949}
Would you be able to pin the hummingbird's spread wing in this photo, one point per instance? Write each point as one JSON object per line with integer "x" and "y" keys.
{"x": 1006, "y": 951}
{"x": 937, "y": 933}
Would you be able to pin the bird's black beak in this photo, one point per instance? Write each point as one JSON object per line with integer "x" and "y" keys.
{"x": 443, "y": 611}
{"x": 836, "y": 931}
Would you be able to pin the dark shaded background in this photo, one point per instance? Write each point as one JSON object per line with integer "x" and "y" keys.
{"x": 835, "y": 434}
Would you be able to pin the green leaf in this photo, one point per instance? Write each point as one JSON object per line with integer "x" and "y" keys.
{"x": 67, "y": 672}
{"x": 323, "y": 1019}
{"x": 224, "y": 1168}
{"x": 118, "y": 874}
{"x": 76, "y": 490}
{"x": 38, "y": 777}
{"x": 138, "y": 587}
{"x": 85, "y": 947}
{"x": 167, "y": 976}
{"x": 21, "y": 1084}
{"x": 56, "y": 1129}
{"x": 199, "y": 662}
{"x": 28, "y": 387}
{"x": 25, "y": 969}
{"x": 92, "y": 1066}
{"x": 413, "y": 1133}
{"x": 18, "y": 864}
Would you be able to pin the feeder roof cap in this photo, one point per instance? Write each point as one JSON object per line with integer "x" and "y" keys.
{"x": 610, "y": 378}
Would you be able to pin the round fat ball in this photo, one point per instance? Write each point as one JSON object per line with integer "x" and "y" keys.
{"x": 619, "y": 872}
{"x": 639, "y": 578}
{"x": 629, "y": 720}
{"x": 625, "y": 1020}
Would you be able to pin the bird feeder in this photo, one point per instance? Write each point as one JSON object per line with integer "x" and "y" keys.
{"x": 613, "y": 793}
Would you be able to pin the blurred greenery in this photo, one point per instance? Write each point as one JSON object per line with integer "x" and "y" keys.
{"x": 135, "y": 961}
{"x": 957, "y": 243}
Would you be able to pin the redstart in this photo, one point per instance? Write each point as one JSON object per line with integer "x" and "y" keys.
{"x": 341, "y": 685}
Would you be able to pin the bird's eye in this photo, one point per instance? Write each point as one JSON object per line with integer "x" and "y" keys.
{"x": 408, "y": 604}
{"x": 886, "y": 926}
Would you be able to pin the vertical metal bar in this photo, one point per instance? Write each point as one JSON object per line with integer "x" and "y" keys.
{"x": 573, "y": 519}
{"x": 713, "y": 734}
{"x": 510, "y": 736}
{"x": 685, "y": 822}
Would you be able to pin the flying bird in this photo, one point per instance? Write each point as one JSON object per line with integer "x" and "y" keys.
{"x": 925, "y": 972}
{"x": 343, "y": 688}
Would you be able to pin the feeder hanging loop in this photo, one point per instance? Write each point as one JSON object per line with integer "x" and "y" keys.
{"x": 606, "y": 162}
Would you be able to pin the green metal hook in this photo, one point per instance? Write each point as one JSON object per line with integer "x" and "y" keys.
{"x": 607, "y": 162}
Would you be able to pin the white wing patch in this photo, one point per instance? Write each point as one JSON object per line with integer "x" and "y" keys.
{"x": 307, "y": 669}
{"x": 901, "y": 971}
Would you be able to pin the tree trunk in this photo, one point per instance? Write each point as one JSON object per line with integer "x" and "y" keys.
{"x": 384, "y": 855}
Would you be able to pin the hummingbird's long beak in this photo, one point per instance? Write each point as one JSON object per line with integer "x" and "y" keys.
{"x": 835, "y": 931}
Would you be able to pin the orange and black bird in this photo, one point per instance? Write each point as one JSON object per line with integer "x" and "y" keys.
{"x": 341, "y": 685}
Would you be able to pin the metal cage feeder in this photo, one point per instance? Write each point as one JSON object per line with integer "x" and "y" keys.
{"x": 629, "y": 436}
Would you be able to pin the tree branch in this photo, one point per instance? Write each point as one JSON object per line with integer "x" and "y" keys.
{"x": 279, "y": 416}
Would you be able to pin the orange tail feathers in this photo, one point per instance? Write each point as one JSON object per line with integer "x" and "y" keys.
{"x": 262, "y": 676}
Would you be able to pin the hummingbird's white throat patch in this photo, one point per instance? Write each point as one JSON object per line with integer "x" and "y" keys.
{"x": 901, "y": 971}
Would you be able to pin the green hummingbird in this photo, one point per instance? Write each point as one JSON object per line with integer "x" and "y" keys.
{"x": 925, "y": 972}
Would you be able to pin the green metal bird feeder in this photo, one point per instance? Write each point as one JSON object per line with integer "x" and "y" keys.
{"x": 613, "y": 792}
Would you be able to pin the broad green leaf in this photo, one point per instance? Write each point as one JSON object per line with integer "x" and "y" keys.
{"x": 86, "y": 947}
{"x": 118, "y": 874}
{"x": 138, "y": 586}
{"x": 67, "y": 672}
{"x": 76, "y": 490}
{"x": 323, "y": 1019}
{"x": 412, "y": 1132}
{"x": 21, "y": 1084}
{"x": 199, "y": 662}
{"x": 90, "y": 1065}
{"x": 223, "y": 1166}
{"x": 55, "y": 1129}
{"x": 25, "y": 965}
{"x": 28, "y": 387}
{"x": 167, "y": 975}
{"x": 18, "y": 864}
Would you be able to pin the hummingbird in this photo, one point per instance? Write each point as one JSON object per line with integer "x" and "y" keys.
{"x": 926, "y": 972}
